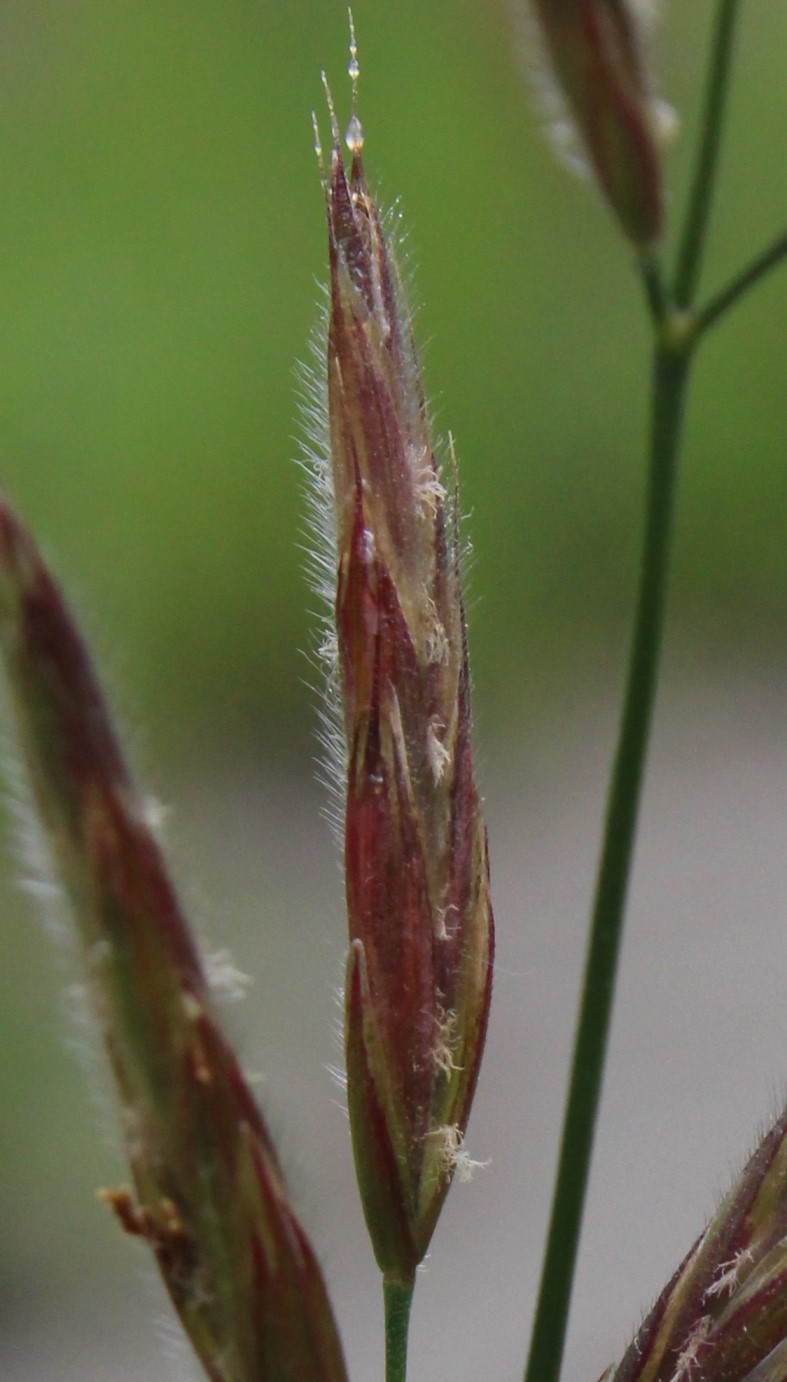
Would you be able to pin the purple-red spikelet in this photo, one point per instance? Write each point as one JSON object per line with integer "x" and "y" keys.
{"x": 723, "y": 1316}
{"x": 417, "y": 878}
{"x": 594, "y": 47}
{"x": 209, "y": 1196}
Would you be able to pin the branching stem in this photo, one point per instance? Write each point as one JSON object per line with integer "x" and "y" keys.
{"x": 740, "y": 285}
{"x": 677, "y": 331}
{"x": 695, "y": 231}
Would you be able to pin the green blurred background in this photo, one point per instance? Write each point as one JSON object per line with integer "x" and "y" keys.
{"x": 161, "y": 239}
{"x": 162, "y": 234}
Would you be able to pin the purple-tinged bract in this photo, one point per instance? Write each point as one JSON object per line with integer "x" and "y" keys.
{"x": 417, "y": 877}
{"x": 595, "y": 49}
{"x": 208, "y": 1193}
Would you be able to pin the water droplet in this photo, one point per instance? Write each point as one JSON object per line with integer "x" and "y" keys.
{"x": 354, "y": 135}
{"x": 353, "y": 69}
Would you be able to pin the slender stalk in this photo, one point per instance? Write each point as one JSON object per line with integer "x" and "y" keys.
{"x": 670, "y": 371}
{"x": 676, "y": 330}
{"x": 719, "y": 305}
{"x": 701, "y": 196}
{"x": 655, "y": 289}
{"x": 398, "y": 1297}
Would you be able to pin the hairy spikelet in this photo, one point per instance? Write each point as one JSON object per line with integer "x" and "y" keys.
{"x": 416, "y": 869}
{"x": 208, "y": 1194}
{"x": 590, "y": 67}
{"x": 723, "y": 1315}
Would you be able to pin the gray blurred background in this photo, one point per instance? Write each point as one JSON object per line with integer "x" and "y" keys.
{"x": 161, "y": 237}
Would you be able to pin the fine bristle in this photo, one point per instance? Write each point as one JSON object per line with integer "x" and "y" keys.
{"x": 319, "y": 547}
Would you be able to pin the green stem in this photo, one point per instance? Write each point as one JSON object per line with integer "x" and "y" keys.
{"x": 653, "y": 283}
{"x": 677, "y": 333}
{"x": 670, "y": 372}
{"x": 701, "y": 196}
{"x": 741, "y": 284}
{"x": 398, "y": 1297}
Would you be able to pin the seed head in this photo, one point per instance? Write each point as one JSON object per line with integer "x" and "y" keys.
{"x": 417, "y": 884}
{"x": 209, "y": 1196}
{"x": 723, "y": 1316}
{"x": 595, "y": 49}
